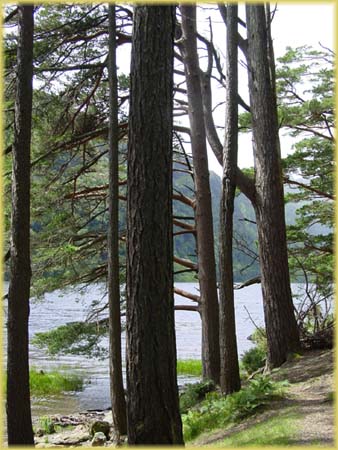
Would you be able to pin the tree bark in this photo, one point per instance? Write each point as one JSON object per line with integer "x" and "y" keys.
{"x": 116, "y": 380}
{"x": 152, "y": 401}
{"x": 281, "y": 327}
{"x": 19, "y": 420}
{"x": 203, "y": 211}
{"x": 229, "y": 375}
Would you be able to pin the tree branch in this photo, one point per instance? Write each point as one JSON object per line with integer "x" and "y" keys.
{"x": 185, "y": 263}
{"x": 309, "y": 188}
{"x": 189, "y": 295}
{"x": 248, "y": 283}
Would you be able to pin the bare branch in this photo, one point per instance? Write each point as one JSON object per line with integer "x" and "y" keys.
{"x": 247, "y": 283}
{"x": 185, "y": 263}
{"x": 189, "y": 295}
{"x": 186, "y": 308}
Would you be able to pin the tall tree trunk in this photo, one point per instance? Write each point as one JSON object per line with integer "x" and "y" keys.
{"x": 203, "y": 212}
{"x": 281, "y": 327}
{"x": 116, "y": 380}
{"x": 152, "y": 401}
{"x": 19, "y": 420}
{"x": 229, "y": 376}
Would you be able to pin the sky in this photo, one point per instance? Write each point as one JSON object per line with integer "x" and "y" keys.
{"x": 294, "y": 25}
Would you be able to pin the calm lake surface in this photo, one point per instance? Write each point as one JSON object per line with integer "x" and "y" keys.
{"x": 60, "y": 307}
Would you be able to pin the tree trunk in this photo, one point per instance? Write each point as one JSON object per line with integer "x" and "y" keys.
{"x": 152, "y": 401}
{"x": 19, "y": 420}
{"x": 281, "y": 327}
{"x": 116, "y": 381}
{"x": 203, "y": 212}
{"x": 229, "y": 375}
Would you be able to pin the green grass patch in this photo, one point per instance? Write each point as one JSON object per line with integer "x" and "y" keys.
{"x": 279, "y": 430}
{"x": 46, "y": 425}
{"x": 218, "y": 411}
{"x": 189, "y": 367}
{"x": 53, "y": 382}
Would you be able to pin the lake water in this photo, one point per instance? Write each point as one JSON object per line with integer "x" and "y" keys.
{"x": 60, "y": 307}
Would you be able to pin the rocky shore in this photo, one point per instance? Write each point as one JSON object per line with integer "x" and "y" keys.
{"x": 89, "y": 429}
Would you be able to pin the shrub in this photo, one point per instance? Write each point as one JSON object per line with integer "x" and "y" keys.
{"x": 259, "y": 338}
{"x": 253, "y": 359}
{"x": 195, "y": 393}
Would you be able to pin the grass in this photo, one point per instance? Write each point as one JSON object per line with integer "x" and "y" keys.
{"x": 53, "y": 382}
{"x": 47, "y": 425}
{"x": 279, "y": 430}
{"x": 189, "y": 367}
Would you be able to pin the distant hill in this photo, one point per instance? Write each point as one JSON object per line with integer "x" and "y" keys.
{"x": 245, "y": 232}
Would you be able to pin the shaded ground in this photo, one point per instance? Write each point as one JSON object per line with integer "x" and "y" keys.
{"x": 308, "y": 407}
{"x": 309, "y": 398}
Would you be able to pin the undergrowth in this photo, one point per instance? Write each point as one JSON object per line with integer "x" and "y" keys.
{"x": 218, "y": 411}
{"x": 194, "y": 394}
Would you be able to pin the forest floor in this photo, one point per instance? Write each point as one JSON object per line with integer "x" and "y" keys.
{"x": 304, "y": 416}
{"x": 307, "y": 409}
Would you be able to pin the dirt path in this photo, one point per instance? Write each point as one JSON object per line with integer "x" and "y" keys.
{"x": 314, "y": 403}
{"x": 309, "y": 397}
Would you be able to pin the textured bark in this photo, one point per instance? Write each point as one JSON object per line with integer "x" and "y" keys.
{"x": 19, "y": 420}
{"x": 245, "y": 184}
{"x": 152, "y": 402}
{"x": 203, "y": 212}
{"x": 118, "y": 402}
{"x": 229, "y": 375}
{"x": 281, "y": 328}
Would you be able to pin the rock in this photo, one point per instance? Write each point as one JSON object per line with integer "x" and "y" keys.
{"x": 117, "y": 441}
{"x": 73, "y": 437}
{"x": 100, "y": 426}
{"x": 47, "y": 445}
{"x": 39, "y": 432}
{"x": 99, "y": 439}
{"x": 108, "y": 417}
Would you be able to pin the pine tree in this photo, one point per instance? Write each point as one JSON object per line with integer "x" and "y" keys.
{"x": 152, "y": 402}
{"x": 280, "y": 322}
{"x": 19, "y": 420}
